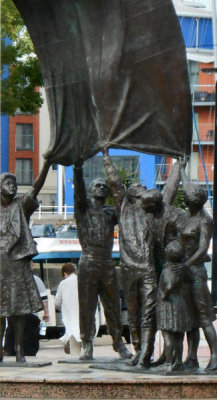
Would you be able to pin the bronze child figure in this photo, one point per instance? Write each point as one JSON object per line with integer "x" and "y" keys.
{"x": 173, "y": 312}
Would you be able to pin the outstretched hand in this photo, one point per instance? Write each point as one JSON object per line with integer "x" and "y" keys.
{"x": 104, "y": 147}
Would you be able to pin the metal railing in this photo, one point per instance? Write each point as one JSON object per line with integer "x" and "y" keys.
{"x": 45, "y": 211}
{"x": 203, "y": 93}
{"x": 206, "y": 133}
{"x": 194, "y": 171}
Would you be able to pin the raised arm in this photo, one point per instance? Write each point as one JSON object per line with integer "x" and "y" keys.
{"x": 39, "y": 182}
{"x": 80, "y": 195}
{"x": 29, "y": 200}
{"x": 185, "y": 179}
{"x": 172, "y": 184}
{"x": 114, "y": 181}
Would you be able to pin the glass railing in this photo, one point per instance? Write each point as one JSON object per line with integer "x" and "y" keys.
{"x": 203, "y": 93}
{"x": 206, "y": 132}
{"x": 194, "y": 171}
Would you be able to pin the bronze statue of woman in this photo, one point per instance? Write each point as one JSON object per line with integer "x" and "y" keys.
{"x": 18, "y": 292}
{"x": 195, "y": 232}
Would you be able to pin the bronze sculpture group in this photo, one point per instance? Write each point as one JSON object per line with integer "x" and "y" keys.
{"x": 128, "y": 87}
{"x": 154, "y": 237}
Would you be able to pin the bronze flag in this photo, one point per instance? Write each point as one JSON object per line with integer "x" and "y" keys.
{"x": 114, "y": 71}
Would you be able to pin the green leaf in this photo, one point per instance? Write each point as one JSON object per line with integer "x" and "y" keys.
{"x": 20, "y": 88}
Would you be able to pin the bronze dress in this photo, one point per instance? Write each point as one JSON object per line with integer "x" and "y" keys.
{"x": 175, "y": 310}
{"x": 18, "y": 291}
{"x": 196, "y": 277}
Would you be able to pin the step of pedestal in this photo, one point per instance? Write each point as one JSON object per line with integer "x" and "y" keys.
{"x": 178, "y": 388}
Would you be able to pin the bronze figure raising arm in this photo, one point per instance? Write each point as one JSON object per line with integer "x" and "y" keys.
{"x": 172, "y": 184}
{"x": 114, "y": 181}
{"x": 80, "y": 194}
{"x": 39, "y": 182}
{"x": 29, "y": 200}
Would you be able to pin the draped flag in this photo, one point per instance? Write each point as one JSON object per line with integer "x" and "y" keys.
{"x": 114, "y": 71}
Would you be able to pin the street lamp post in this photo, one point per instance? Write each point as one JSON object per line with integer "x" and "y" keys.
{"x": 214, "y": 254}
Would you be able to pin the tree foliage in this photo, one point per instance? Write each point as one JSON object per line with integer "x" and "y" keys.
{"x": 179, "y": 201}
{"x": 21, "y": 75}
{"x": 127, "y": 178}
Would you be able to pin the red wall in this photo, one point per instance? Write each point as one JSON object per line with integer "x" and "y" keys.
{"x": 13, "y": 154}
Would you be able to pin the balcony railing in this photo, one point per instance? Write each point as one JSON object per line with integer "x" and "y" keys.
{"x": 206, "y": 133}
{"x": 203, "y": 94}
{"x": 45, "y": 211}
{"x": 194, "y": 171}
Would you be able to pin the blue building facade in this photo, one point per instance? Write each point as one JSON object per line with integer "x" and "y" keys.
{"x": 197, "y": 32}
{"x": 4, "y": 144}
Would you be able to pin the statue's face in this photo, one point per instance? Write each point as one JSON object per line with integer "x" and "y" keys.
{"x": 99, "y": 189}
{"x": 9, "y": 187}
{"x": 195, "y": 196}
{"x": 149, "y": 207}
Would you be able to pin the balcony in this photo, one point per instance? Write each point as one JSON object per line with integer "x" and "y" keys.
{"x": 194, "y": 171}
{"x": 206, "y": 134}
{"x": 203, "y": 95}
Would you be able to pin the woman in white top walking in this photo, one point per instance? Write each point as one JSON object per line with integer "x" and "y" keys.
{"x": 66, "y": 300}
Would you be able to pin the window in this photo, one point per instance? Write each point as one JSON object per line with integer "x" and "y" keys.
{"x": 24, "y": 171}
{"x": 93, "y": 168}
{"x": 193, "y": 71}
{"x": 24, "y": 137}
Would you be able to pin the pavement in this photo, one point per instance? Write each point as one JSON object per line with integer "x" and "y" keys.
{"x": 53, "y": 351}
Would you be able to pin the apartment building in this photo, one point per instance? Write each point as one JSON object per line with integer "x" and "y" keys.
{"x": 28, "y": 139}
{"x": 195, "y": 18}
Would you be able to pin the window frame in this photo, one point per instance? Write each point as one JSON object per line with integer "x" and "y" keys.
{"x": 20, "y": 143}
{"x": 24, "y": 170}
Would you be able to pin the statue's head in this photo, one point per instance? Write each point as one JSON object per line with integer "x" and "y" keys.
{"x": 99, "y": 189}
{"x": 174, "y": 251}
{"x": 152, "y": 200}
{"x": 8, "y": 184}
{"x": 135, "y": 191}
{"x": 194, "y": 195}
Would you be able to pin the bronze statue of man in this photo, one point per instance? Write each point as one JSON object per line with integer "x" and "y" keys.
{"x": 137, "y": 239}
{"x": 96, "y": 272}
{"x": 18, "y": 292}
